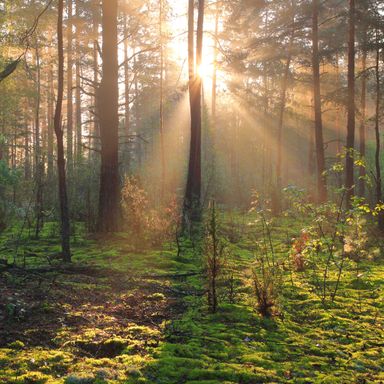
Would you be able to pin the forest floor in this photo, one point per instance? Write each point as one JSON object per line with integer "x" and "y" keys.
{"x": 119, "y": 315}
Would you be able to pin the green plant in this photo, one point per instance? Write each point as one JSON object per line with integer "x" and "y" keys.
{"x": 146, "y": 223}
{"x": 266, "y": 271}
{"x": 216, "y": 255}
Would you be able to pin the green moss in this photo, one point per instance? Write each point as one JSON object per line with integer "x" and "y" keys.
{"x": 32, "y": 378}
{"x": 17, "y": 345}
{"x": 307, "y": 343}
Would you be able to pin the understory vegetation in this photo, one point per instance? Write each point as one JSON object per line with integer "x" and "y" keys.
{"x": 294, "y": 301}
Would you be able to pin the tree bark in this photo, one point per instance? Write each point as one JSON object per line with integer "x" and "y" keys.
{"x": 38, "y": 159}
{"x": 379, "y": 197}
{"x": 127, "y": 86}
{"x": 349, "y": 168}
{"x": 214, "y": 97}
{"x": 65, "y": 226}
{"x": 50, "y": 125}
{"x": 362, "y": 149}
{"x": 79, "y": 135}
{"x": 96, "y": 124}
{"x": 109, "y": 198}
{"x": 69, "y": 88}
{"x": 319, "y": 141}
{"x": 161, "y": 112}
{"x": 277, "y": 204}
{"x": 192, "y": 201}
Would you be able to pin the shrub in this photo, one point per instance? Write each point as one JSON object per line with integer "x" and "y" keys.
{"x": 297, "y": 252}
{"x": 216, "y": 256}
{"x": 266, "y": 272}
{"x": 146, "y": 223}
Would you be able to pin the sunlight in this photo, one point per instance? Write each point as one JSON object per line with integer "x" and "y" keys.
{"x": 184, "y": 185}
{"x": 205, "y": 70}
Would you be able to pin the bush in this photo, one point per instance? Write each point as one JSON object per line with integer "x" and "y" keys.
{"x": 147, "y": 224}
{"x": 266, "y": 273}
{"x": 8, "y": 178}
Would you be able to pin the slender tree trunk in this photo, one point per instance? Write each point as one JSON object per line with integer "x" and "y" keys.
{"x": 65, "y": 226}
{"x": 283, "y": 98}
{"x": 214, "y": 97}
{"x": 69, "y": 88}
{"x": 338, "y": 111}
{"x": 265, "y": 138}
{"x": 277, "y": 202}
{"x": 79, "y": 136}
{"x": 27, "y": 161}
{"x": 96, "y": 125}
{"x": 38, "y": 159}
{"x": 319, "y": 141}
{"x": 362, "y": 171}
{"x": 109, "y": 198}
{"x": 126, "y": 98}
{"x": 161, "y": 114}
{"x": 379, "y": 197}
{"x": 349, "y": 169}
{"x": 137, "y": 114}
{"x": 192, "y": 208}
{"x": 214, "y": 74}
{"x": 50, "y": 100}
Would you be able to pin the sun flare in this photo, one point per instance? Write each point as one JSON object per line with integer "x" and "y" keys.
{"x": 205, "y": 70}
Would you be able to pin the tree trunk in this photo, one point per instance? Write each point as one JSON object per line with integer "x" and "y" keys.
{"x": 127, "y": 86}
{"x": 69, "y": 89}
{"x": 65, "y": 227}
{"x": 319, "y": 141}
{"x": 79, "y": 135}
{"x": 38, "y": 159}
{"x": 27, "y": 161}
{"x": 50, "y": 125}
{"x": 349, "y": 177}
{"x": 96, "y": 125}
{"x": 214, "y": 97}
{"x": 379, "y": 198}
{"x": 109, "y": 198}
{"x": 362, "y": 171}
{"x": 192, "y": 208}
{"x": 161, "y": 114}
{"x": 277, "y": 204}
{"x": 137, "y": 114}
{"x": 277, "y": 194}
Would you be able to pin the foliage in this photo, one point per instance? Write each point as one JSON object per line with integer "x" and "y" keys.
{"x": 144, "y": 222}
{"x": 216, "y": 256}
{"x": 333, "y": 237}
{"x": 8, "y": 178}
{"x": 266, "y": 272}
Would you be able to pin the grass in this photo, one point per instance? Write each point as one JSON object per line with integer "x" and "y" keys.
{"x": 130, "y": 319}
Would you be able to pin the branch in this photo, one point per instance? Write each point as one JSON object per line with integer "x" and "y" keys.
{"x": 138, "y": 53}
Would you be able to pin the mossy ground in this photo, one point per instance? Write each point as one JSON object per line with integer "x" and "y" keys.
{"x": 119, "y": 315}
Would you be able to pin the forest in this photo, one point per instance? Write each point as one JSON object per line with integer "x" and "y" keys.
{"x": 191, "y": 191}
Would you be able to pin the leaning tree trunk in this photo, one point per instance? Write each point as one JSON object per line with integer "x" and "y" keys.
{"x": 349, "y": 178}
{"x": 109, "y": 198}
{"x": 65, "y": 227}
{"x": 192, "y": 208}
{"x": 319, "y": 141}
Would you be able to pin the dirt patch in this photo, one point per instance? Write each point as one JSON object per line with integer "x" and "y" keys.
{"x": 52, "y": 309}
